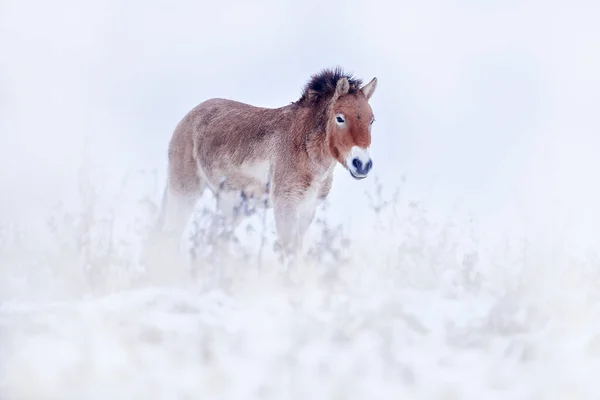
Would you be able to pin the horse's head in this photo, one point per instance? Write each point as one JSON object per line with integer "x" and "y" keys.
{"x": 349, "y": 126}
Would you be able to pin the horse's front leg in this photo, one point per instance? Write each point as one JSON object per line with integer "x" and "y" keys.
{"x": 293, "y": 216}
{"x": 287, "y": 218}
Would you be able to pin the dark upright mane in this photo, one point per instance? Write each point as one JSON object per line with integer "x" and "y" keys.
{"x": 323, "y": 84}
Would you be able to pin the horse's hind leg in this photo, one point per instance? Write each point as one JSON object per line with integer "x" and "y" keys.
{"x": 184, "y": 188}
{"x": 178, "y": 202}
{"x": 176, "y": 210}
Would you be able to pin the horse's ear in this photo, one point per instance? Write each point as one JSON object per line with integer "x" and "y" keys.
{"x": 369, "y": 88}
{"x": 343, "y": 86}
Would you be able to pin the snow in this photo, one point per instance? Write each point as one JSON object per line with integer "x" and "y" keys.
{"x": 353, "y": 331}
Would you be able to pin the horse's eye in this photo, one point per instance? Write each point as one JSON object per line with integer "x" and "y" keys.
{"x": 339, "y": 119}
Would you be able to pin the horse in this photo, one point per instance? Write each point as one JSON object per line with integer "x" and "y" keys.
{"x": 273, "y": 158}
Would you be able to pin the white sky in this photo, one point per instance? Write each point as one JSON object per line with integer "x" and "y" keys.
{"x": 489, "y": 105}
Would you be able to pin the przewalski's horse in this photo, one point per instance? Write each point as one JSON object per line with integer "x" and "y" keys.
{"x": 280, "y": 157}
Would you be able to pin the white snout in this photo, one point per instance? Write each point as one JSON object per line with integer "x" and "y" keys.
{"x": 358, "y": 162}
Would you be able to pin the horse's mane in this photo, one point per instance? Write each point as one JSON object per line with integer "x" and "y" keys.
{"x": 323, "y": 84}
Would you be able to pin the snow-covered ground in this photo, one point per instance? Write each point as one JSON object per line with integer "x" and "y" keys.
{"x": 418, "y": 314}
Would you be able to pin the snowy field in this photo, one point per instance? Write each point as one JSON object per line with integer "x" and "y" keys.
{"x": 466, "y": 267}
{"x": 419, "y": 310}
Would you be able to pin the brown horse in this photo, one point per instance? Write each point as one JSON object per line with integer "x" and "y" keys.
{"x": 280, "y": 157}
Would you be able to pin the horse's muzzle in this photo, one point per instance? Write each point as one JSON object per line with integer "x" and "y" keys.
{"x": 358, "y": 169}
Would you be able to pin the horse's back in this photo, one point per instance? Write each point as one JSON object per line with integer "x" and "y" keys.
{"x": 224, "y": 137}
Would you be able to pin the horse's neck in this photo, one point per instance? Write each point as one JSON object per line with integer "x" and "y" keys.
{"x": 299, "y": 123}
{"x": 317, "y": 147}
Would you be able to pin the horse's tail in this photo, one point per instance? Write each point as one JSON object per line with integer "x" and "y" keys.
{"x": 160, "y": 220}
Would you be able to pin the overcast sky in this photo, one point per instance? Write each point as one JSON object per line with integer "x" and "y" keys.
{"x": 489, "y": 105}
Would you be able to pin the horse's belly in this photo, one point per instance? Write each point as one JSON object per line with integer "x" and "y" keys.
{"x": 257, "y": 188}
{"x": 257, "y": 172}
{"x": 251, "y": 180}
